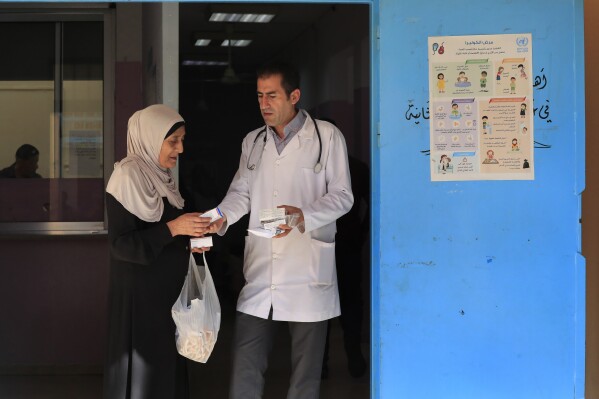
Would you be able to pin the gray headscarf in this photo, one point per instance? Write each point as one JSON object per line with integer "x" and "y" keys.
{"x": 138, "y": 181}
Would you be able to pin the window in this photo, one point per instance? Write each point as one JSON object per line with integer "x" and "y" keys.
{"x": 54, "y": 113}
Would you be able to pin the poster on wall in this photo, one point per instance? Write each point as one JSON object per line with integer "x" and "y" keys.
{"x": 82, "y": 145}
{"x": 480, "y": 96}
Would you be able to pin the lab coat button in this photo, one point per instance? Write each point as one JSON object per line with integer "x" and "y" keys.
{"x": 277, "y": 162}
{"x": 273, "y": 287}
{"x": 275, "y": 257}
{"x": 276, "y": 193}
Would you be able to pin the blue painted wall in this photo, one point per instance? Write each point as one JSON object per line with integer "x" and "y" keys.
{"x": 478, "y": 287}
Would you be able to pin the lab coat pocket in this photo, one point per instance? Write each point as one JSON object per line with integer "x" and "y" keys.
{"x": 322, "y": 262}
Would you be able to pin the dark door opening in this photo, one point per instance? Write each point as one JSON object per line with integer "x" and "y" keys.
{"x": 330, "y": 45}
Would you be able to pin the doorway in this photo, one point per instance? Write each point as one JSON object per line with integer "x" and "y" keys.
{"x": 330, "y": 45}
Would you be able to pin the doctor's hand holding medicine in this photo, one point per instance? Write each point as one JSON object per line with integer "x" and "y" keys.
{"x": 300, "y": 164}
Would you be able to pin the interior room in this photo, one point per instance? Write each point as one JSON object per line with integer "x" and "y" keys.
{"x": 217, "y": 87}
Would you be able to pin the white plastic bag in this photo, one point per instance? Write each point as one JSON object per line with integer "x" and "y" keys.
{"x": 197, "y": 314}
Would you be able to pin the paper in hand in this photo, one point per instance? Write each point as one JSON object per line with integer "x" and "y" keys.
{"x": 266, "y": 233}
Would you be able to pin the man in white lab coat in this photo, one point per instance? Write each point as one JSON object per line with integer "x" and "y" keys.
{"x": 289, "y": 163}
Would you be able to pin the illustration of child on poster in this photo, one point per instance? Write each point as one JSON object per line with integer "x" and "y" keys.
{"x": 481, "y": 96}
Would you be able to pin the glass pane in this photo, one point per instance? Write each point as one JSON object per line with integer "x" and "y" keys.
{"x": 26, "y": 115}
{"x": 81, "y": 140}
{"x": 70, "y": 182}
{"x": 82, "y": 101}
{"x": 27, "y": 51}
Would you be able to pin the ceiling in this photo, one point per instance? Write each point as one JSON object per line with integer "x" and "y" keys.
{"x": 268, "y": 39}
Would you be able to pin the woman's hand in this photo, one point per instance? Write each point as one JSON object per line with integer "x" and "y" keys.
{"x": 189, "y": 224}
{"x": 217, "y": 224}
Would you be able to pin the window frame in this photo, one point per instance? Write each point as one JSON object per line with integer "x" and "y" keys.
{"x": 61, "y": 13}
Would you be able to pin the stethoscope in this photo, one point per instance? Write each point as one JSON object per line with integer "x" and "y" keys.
{"x": 317, "y": 167}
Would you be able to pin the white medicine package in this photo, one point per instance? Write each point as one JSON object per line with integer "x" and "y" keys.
{"x": 270, "y": 219}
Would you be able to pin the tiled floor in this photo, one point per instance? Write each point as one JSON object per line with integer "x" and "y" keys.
{"x": 208, "y": 381}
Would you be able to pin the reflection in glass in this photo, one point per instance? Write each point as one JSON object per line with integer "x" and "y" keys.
{"x": 27, "y": 90}
{"x": 82, "y": 122}
{"x": 51, "y": 97}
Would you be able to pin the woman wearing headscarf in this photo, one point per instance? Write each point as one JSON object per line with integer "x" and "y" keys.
{"x": 149, "y": 239}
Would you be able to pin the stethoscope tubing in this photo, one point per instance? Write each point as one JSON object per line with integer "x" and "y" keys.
{"x": 317, "y": 166}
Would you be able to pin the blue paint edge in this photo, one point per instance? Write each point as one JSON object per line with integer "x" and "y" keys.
{"x": 580, "y": 183}
{"x": 375, "y": 200}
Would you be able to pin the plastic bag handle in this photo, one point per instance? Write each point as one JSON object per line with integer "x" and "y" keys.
{"x": 196, "y": 274}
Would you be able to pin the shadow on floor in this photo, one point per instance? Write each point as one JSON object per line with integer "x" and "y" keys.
{"x": 211, "y": 380}
{"x": 207, "y": 381}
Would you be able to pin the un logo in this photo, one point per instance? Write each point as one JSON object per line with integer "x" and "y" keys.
{"x": 522, "y": 41}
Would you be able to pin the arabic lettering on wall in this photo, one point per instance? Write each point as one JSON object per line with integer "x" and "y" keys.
{"x": 417, "y": 113}
{"x": 414, "y": 112}
{"x": 541, "y": 112}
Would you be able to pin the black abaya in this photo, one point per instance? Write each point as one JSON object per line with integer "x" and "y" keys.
{"x": 148, "y": 268}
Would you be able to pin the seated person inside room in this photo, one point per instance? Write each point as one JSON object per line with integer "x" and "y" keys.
{"x": 25, "y": 165}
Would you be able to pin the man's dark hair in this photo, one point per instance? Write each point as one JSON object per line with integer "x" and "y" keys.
{"x": 290, "y": 78}
{"x": 26, "y": 151}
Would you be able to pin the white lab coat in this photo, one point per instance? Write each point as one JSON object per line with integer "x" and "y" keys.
{"x": 295, "y": 274}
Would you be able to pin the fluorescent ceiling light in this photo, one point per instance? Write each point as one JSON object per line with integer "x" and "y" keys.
{"x": 216, "y": 38}
{"x": 236, "y": 43}
{"x": 202, "y": 42}
{"x": 204, "y": 63}
{"x": 239, "y": 17}
{"x": 224, "y": 17}
{"x": 257, "y": 18}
